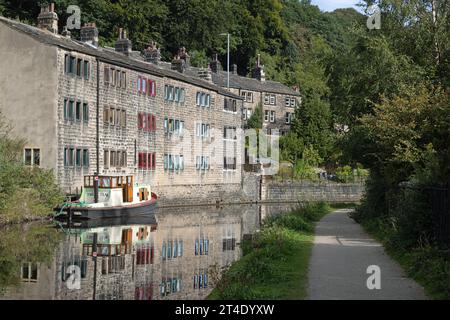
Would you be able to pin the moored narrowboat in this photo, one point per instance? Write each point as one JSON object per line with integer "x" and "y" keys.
{"x": 109, "y": 197}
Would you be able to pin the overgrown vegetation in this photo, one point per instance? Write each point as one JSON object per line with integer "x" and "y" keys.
{"x": 26, "y": 193}
{"x": 392, "y": 88}
{"x": 275, "y": 261}
{"x": 30, "y": 243}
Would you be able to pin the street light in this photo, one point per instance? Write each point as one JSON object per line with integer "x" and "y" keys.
{"x": 228, "y": 58}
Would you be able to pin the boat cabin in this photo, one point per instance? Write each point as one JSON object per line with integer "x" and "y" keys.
{"x": 115, "y": 190}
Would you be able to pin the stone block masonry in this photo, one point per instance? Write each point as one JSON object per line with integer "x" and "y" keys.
{"x": 303, "y": 191}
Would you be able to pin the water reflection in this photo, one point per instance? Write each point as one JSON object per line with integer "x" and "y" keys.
{"x": 172, "y": 254}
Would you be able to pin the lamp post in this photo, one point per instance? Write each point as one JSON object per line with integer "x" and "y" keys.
{"x": 228, "y": 58}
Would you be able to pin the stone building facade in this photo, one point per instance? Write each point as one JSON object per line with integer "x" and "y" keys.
{"x": 166, "y": 127}
{"x": 172, "y": 255}
{"x": 278, "y": 101}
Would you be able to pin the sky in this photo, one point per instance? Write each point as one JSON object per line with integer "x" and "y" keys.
{"x": 330, "y": 5}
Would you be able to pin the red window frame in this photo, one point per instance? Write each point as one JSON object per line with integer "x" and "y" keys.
{"x": 140, "y": 162}
{"x": 154, "y": 123}
{"x": 149, "y": 122}
{"x": 140, "y": 120}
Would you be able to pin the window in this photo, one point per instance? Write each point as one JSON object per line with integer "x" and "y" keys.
{"x": 272, "y": 100}
{"x": 246, "y": 113}
{"x": 230, "y": 105}
{"x": 266, "y": 115}
{"x": 182, "y": 95}
{"x": 202, "y": 163}
{"x": 289, "y": 117}
{"x": 147, "y": 161}
{"x": 85, "y": 112}
{"x": 85, "y": 158}
{"x": 115, "y": 77}
{"x": 72, "y": 65}
{"x": 173, "y": 94}
{"x": 146, "y": 122}
{"x": 29, "y": 272}
{"x": 269, "y": 99}
{"x": 86, "y": 70}
{"x": 272, "y": 116}
{"x": 78, "y": 111}
{"x": 79, "y": 66}
{"x": 203, "y": 130}
{"x": 37, "y": 157}
{"x": 228, "y": 244}
{"x": 106, "y": 75}
{"x": 32, "y": 157}
{"x": 173, "y": 127}
{"x": 287, "y": 101}
{"x": 78, "y": 158}
{"x": 247, "y": 96}
{"x": 203, "y": 99}
{"x": 71, "y": 110}
{"x": 123, "y": 79}
{"x": 28, "y": 157}
{"x": 173, "y": 162}
{"x": 115, "y": 117}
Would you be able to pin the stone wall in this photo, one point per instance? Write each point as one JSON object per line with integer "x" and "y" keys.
{"x": 274, "y": 191}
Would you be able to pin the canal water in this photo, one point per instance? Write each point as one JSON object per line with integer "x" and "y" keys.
{"x": 175, "y": 253}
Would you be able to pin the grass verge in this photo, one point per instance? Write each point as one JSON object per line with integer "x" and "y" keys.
{"x": 275, "y": 262}
{"x": 427, "y": 265}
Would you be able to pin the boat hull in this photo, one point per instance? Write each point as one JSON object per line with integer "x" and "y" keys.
{"x": 76, "y": 212}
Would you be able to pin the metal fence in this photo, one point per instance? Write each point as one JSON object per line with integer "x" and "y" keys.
{"x": 439, "y": 197}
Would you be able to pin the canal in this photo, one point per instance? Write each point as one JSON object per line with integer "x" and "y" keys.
{"x": 175, "y": 253}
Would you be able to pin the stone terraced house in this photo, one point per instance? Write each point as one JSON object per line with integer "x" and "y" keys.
{"x": 167, "y": 124}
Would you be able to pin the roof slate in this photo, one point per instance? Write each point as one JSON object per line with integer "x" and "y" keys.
{"x": 109, "y": 56}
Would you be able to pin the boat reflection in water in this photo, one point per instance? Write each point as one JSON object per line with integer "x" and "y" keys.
{"x": 172, "y": 254}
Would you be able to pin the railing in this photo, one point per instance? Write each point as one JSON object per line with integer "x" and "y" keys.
{"x": 439, "y": 198}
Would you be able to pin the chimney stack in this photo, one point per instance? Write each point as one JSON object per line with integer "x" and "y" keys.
{"x": 152, "y": 53}
{"x": 215, "y": 64}
{"x": 178, "y": 64}
{"x": 123, "y": 44}
{"x": 48, "y": 19}
{"x": 258, "y": 71}
{"x": 181, "y": 61}
{"x": 66, "y": 33}
{"x": 234, "y": 69}
{"x": 89, "y": 34}
{"x": 205, "y": 74}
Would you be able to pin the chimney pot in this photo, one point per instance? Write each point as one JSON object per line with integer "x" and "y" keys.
{"x": 152, "y": 53}
{"x": 258, "y": 71}
{"x": 215, "y": 64}
{"x": 123, "y": 44}
{"x": 89, "y": 34}
{"x": 234, "y": 68}
{"x": 48, "y": 19}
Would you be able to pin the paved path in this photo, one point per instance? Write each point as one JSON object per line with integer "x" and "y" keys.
{"x": 341, "y": 254}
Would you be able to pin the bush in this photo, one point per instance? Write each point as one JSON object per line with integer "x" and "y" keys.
{"x": 275, "y": 260}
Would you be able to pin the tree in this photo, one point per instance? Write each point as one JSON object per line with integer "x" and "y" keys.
{"x": 312, "y": 124}
{"x": 255, "y": 121}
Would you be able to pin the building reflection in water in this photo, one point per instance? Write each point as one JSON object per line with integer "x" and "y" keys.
{"x": 169, "y": 255}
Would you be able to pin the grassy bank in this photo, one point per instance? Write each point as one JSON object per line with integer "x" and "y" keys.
{"x": 275, "y": 261}
{"x": 426, "y": 264}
